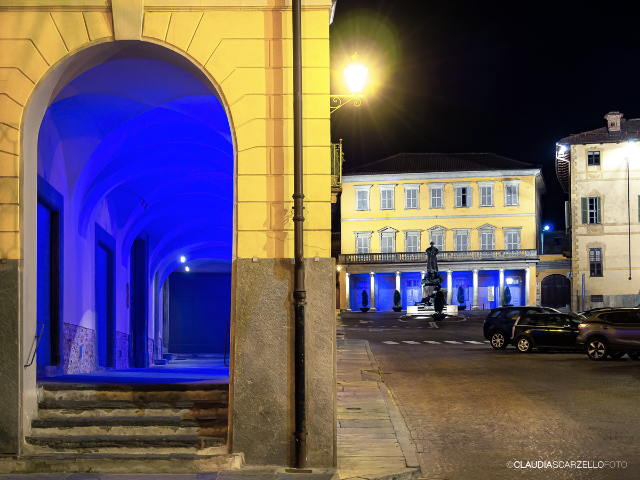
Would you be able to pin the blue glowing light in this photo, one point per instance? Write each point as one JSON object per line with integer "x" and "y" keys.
{"x": 547, "y": 228}
{"x": 152, "y": 143}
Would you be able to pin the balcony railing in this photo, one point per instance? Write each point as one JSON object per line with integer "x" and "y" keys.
{"x": 420, "y": 257}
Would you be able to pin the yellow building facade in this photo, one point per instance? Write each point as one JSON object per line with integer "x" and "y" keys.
{"x": 600, "y": 171}
{"x": 241, "y": 50}
{"x": 481, "y": 211}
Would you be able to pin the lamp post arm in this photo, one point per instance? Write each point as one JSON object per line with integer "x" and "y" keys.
{"x": 342, "y": 100}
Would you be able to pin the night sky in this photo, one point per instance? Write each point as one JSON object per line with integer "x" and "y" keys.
{"x": 508, "y": 78}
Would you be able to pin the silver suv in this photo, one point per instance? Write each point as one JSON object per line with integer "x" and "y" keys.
{"x": 611, "y": 332}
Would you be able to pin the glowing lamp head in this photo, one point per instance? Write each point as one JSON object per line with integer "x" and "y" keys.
{"x": 339, "y": 267}
{"x": 509, "y": 281}
{"x": 356, "y": 75}
{"x": 186, "y": 269}
{"x": 547, "y": 228}
{"x": 183, "y": 259}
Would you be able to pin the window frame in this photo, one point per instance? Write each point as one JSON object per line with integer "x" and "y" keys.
{"x": 593, "y": 263}
{"x": 412, "y": 233}
{"x": 411, "y": 187}
{"x": 468, "y": 195}
{"x": 388, "y": 188}
{"x": 487, "y": 229}
{"x": 508, "y": 202}
{"x": 436, "y": 187}
{"x": 438, "y": 230}
{"x": 367, "y": 190}
{"x": 490, "y": 187}
{"x": 513, "y": 231}
{"x": 590, "y": 161}
{"x": 388, "y": 232}
{"x": 363, "y": 235}
{"x": 465, "y": 232}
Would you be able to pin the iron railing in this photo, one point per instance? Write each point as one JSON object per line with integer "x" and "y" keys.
{"x": 448, "y": 256}
{"x": 337, "y": 158}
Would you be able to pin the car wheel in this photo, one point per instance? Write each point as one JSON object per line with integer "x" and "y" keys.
{"x": 616, "y": 355}
{"x": 524, "y": 345}
{"x": 597, "y": 349}
{"x": 498, "y": 340}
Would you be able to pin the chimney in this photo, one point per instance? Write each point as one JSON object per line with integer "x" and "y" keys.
{"x": 613, "y": 121}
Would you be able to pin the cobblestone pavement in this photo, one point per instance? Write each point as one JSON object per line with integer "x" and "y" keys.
{"x": 471, "y": 409}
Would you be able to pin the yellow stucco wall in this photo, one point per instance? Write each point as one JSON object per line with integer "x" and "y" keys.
{"x": 609, "y": 182}
{"x": 449, "y": 217}
{"x": 246, "y": 46}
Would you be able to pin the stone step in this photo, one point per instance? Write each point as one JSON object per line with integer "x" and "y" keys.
{"x": 131, "y": 444}
{"x": 128, "y": 426}
{"x": 88, "y": 408}
{"x": 136, "y": 393}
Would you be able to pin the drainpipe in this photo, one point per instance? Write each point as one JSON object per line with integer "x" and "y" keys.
{"x": 299, "y": 292}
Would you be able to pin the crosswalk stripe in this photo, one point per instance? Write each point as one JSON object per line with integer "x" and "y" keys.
{"x": 451, "y": 341}
{"x": 432, "y": 342}
{"x": 391, "y": 343}
{"x": 475, "y": 343}
{"x": 411, "y": 342}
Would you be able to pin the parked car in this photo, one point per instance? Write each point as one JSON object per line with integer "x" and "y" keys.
{"x": 546, "y": 331}
{"x": 612, "y": 332}
{"x": 499, "y": 322}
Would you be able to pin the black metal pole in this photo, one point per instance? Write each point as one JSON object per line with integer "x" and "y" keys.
{"x": 629, "y": 212}
{"x": 299, "y": 292}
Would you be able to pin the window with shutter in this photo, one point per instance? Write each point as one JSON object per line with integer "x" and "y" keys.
{"x": 386, "y": 244}
{"x": 462, "y": 197}
{"x": 411, "y": 198}
{"x": 436, "y": 198}
{"x": 486, "y": 196}
{"x": 512, "y": 195}
{"x": 412, "y": 242}
{"x": 591, "y": 210}
{"x": 362, "y": 244}
{"x": 486, "y": 240}
{"x": 593, "y": 159}
{"x": 462, "y": 241}
{"x": 511, "y": 240}
{"x": 362, "y": 200}
{"x": 386, "y": 199}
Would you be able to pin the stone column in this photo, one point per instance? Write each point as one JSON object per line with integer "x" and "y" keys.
{"x": 474, "y": 305}
{"x": 398, "y": 282}
{"x": 527, "y": 279}
{"x": 449, "y": 287}
{"x": 372, "y": 299}
{"x": 347, "y": 288}
{"x": 501, "y": 288}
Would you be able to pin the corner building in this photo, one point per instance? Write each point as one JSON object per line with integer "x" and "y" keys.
{"x": 137, "y": 132}
{"x": 481, "y": 210}
{"x": 600, "y": 169}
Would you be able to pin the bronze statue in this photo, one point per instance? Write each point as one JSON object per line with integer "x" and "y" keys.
{"x": 432, "y": 262}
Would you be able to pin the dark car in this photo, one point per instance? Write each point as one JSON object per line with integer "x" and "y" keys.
{"x": 611, "y": 332}
{"x": 498, "y": 323}
{"x": 556, "y": 331}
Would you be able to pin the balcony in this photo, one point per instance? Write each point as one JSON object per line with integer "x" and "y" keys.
{"x": 420, "y": 257}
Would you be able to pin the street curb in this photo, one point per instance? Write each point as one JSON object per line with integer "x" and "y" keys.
{"x": 402, "y": 432}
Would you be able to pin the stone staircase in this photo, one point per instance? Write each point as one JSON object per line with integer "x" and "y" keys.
{"x": 177, "y": 422}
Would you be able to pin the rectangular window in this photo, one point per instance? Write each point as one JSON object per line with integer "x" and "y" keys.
{"x": 411, "y": 198}
{"x": 511, "y": 241}
{"x": 412, "y": 243}
{"x": 386, "y": 199}
{"x": 486, "y": 240}
{"x": 462, "y": 197}
{"x": 362, "y": 244}
{"x": 511, "y": 194}
{"x": 436, "y": 198}
{"x": 591, "y": 210}
{"x": 462, "y": 241}
{"x": 593, "y": 159}
{"x": 486, "y": 196}
{"x": 386, "y": 244}
{"x": 437, "y": 237}
{"x": 595, "y": 262}
{"x": 362, "y": 199}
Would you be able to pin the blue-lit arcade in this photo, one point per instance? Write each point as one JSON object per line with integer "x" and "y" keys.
{"x": 135, "y": 213}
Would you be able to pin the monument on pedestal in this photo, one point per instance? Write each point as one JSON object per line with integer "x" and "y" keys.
{"x": 432, "y": 282}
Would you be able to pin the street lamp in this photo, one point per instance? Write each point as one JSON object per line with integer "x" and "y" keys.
{"x": 630, "y": 149}
{"x": 356, "y": 75}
